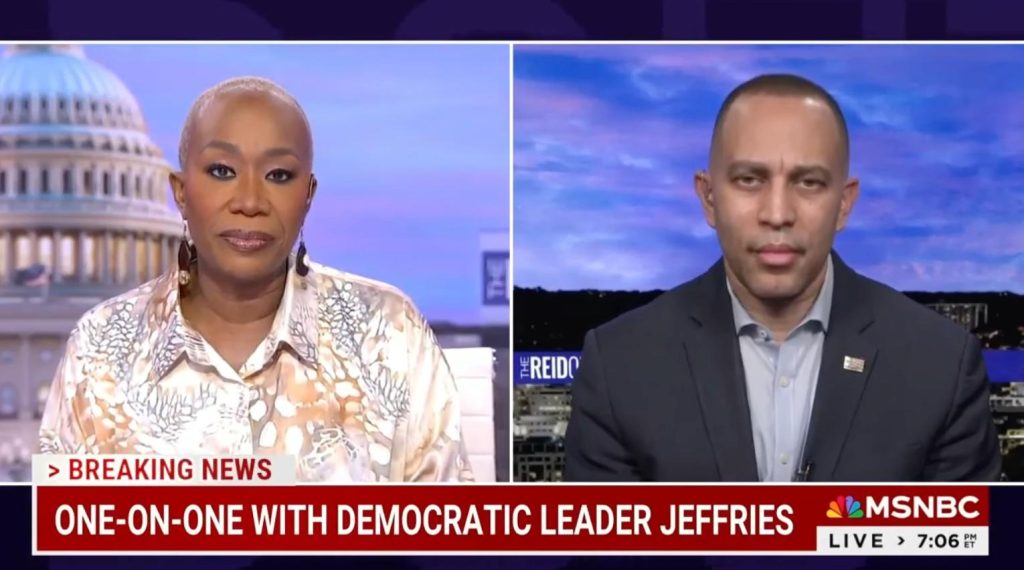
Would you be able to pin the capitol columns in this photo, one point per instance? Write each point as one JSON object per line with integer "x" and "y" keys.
{"x": 158, "y": 186}
{"x": 56, "y": 272}
{"x": 155, "y": 249}
{"x": 171, "y": 260}
{"x": 145, "y": 273}
{"x": 80, "y": 256}
{"x": 133, "y": 259}
{"x": 106, "y": 274}
{"x": 33, "y": 247}
{"x": 10, "y": 252}
{"x": 26, "y": 374}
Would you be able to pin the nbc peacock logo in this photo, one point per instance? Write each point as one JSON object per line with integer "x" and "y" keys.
{"x": 845, "y": 508}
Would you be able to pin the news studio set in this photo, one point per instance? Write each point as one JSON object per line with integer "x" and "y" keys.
{"x": 453, "y": 284}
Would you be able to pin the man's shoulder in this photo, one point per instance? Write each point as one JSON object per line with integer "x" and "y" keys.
{"x": 669, "y": 309}
{"x": 898, "y": 314}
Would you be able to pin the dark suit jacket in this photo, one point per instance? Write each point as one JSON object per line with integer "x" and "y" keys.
{"x": 660, "y": 393}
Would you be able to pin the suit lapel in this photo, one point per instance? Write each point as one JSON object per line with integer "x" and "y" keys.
{"x": 840, "y": 387}
{"x": 717, "y": 369}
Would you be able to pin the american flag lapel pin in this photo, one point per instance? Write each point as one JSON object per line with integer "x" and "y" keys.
{"x": 853, "y": 364}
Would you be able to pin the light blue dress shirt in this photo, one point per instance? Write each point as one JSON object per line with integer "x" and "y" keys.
{"x": 781, "y": 381}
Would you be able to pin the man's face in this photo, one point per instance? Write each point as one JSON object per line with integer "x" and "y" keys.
{"x": 246, "y": 188}
{"x": 777, "y": 192}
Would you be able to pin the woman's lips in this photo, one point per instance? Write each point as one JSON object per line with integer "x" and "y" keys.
{"x": 247, "y": 241}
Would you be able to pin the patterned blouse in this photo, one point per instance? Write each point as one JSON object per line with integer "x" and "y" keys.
{"x": 350, "y": 381}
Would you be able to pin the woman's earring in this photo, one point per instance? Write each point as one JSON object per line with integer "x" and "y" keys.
{"x": 301, "y": 259}
{"x": 186, "y": 253}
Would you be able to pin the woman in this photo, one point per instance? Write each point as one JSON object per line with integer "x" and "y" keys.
{"x": 246, "y": 348}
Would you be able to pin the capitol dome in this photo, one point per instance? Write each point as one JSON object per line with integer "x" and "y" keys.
{"x": 83, "y": 189}
{"x": 45, "y": 85}
{"x": 84, "y": 215}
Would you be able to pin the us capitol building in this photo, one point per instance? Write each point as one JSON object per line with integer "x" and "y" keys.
{"x": 84, "y": 215}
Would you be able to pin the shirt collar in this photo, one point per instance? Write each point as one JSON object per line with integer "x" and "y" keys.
{"x": 819, "y": 313}
{"x": 295, "y": 324}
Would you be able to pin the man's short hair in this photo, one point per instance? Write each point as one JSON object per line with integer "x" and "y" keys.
{"x": 244, "y": 84}
{"x": 784, "y": 85}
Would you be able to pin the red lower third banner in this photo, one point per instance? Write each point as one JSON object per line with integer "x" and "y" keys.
{"x": 521, "y": 519}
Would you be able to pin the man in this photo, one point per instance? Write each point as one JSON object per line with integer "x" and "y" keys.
{"x": 780, "y": 363}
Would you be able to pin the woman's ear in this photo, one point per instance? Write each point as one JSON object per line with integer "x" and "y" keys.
{"x": 311, "y": 192}
{"x": 177, "y": 180}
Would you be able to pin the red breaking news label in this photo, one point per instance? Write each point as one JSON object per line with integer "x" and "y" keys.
{"x": 150, "y": 470}
{"x": 506, "y": 518}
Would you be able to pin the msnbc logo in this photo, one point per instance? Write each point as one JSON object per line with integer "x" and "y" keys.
{"x": 845, "y": 507}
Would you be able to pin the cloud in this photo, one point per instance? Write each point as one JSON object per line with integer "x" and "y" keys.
{"x": 608, "y": 137}
{"x": 636, "y": 162}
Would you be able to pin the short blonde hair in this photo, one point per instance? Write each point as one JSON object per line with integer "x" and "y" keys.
{"x": 244, "y": 84}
